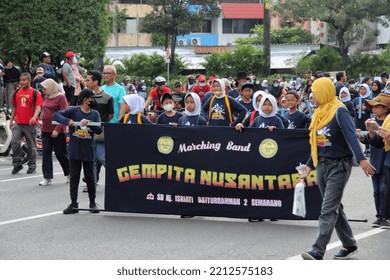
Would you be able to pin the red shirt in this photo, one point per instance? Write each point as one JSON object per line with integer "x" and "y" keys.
{"x": 25, "y": 105}
{"x": 157, "y": 96}
{"x": 49, "y": 107}
{"x": 201, "y": 90}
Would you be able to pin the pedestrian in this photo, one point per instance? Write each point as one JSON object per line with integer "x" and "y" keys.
{"x": 201, "y": 88}
{"x": 1, "y": 85}
{"x": 362, "y": 111}
{"x": 221, "y": 108}
{"x": 81, "y": 146}
{"x": 115, "y": 90}
{"x": 193, "y": 107}
{"x": 155, "y": 97}
{"x": 11, "y": 79}
{"x": 69, "y": 77}
{"x": 170, "y": 115}
{"x": 345, "y": 97}
{"x": 39, "y": 78}
{"x": 333, "y": 140}
{"x": 48, "y": 69}
{"x": 178, "y": 96}
{"x": 53, "y": 136}
{"x": 26, "y": 106}
{"x": 136, "y": 106}
{"x": 296, "y": 119}
{"x": 380, "y": 107}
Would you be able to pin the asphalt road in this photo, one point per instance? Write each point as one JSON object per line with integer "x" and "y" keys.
{"x": 32, "y": 227}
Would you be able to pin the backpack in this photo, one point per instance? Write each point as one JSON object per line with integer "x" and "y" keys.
{"x": 126, "y": 118}
{"x": 35, "y": 92}
{"x": 227, "y": 105}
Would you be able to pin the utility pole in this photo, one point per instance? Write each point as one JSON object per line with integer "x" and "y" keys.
{"x": 267, "y": 36}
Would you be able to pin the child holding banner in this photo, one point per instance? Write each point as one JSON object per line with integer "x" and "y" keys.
{"x": 170, "y": 116}
{"x": 296, "y": 119}
{"x": 192, "y": 115}
{"x": 333, "y": 140}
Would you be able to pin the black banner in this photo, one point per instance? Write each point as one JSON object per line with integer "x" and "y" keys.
{"x": 206, "y": 171}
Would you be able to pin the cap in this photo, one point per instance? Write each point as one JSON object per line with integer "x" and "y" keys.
{"x": 191, "y": 77}
{"x": 211, "y": 79}
{"x": 247, "y": 85}
{"x": 45, "y": 54}
{"x": 201, "y": 78}
{"x": 178, "y": 84}
{"x": 69, "y": 54}
{"x": 40, "y": 70}
{"x": 126, "y": 78}
{"x": 86, "y": 93}
{"x": 165, "y": 96}
{"x": 381, "y": 99}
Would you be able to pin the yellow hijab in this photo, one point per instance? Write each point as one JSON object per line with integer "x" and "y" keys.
{"x": 386, "y": 125}
{"x": 325, "y": 92}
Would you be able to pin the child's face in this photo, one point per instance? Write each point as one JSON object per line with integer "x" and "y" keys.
{"x": 374, "y": 86}
{"x": 217, "y": 89}
{"x": 267, "y": 107}
{"x": 344, "y": 95}
{"x": 380, "y": 110}
{"x": 313, "y": 100}
{"x": 362, "y": 90}
{"x": 246, "y": 93}
{"x": 258, "y": 99}
{"x": 291, "y": 101}
{"x": 168, "y": 102}
{"x": 190, "y": 104}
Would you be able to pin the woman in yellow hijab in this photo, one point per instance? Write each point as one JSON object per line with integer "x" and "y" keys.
{"x": 333, "y": 141}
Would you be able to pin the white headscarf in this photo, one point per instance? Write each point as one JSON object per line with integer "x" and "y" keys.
{"x": 255, "y": 95}
{"x": 346, "y": 90}
{"x": 368, "y": 92}
{"x": 135, "y": 102}
{"x": 197, "y": 102}
{"x": 264, "y": 83}
{"x": 385, "y": 90}
{"x": 222, "y": 83}
{"x": 272, "y": 99}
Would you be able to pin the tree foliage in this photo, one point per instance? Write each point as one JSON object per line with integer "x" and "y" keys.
{"x": 30, "y": 27}
{"x": 176, "y": 17}
{"x": 348, "y": 18}
{"x": 284, "y": 35}
{"x": 243, "y": 58}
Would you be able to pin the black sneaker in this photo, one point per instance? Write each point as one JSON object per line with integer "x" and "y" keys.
{"x": 93, "y": 208}
{"x": 384, "y": 224}
{"x": 85, "y": 189}
{"x": 17, "y": 169}
{"x": 311, "y": 256}
{"x": 186, "y": 216}
{"x": 31, "y": 170}
{"x": 376, "y": 224}
{"x": 345, "y": 253}
{"x": 71, "y": 209}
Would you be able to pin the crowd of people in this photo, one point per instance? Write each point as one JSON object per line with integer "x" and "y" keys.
{"x": 339, "y": 113}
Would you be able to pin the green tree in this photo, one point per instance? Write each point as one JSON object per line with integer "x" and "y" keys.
{"x": 243, "y": 58}
{"x": 30, "y": 27}
{"x": 368, "y": 65}
{"x": 176, "y": 17}
{"x": 348, "y": 18}
{"x": 326, "y": 59}
{"x": 284, "y": 35}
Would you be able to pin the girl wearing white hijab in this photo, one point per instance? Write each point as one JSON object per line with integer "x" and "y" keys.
{"x": 192, "y": 115}
{"x": 362, "y": 112}
{"x": 345, "y": 97}
{"x": 221, "y": 108}
{"x": 136, "y": 105}
{"x": 268, "y": 109}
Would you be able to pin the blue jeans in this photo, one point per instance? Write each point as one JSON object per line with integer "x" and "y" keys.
{"x": 379, "y": 186}
{"x": 332, "y": 177}
{"x": 100, "y": 159}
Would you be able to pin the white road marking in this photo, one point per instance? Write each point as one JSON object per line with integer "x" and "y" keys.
{"x": 28, "y": 177}
{"x": 30, "y": 218}
{"x": 338, "y": 243}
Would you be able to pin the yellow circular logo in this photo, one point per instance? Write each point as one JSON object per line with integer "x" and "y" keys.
{"x": 268, "y": 148}
{"x": 165, "y": 144}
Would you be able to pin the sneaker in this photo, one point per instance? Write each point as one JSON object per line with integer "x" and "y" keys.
{"x": 31, "y": 170}
{"x": 376, "y": 224}
{"x": 85, "y": 189}
{"x": 17, "y": 169}
{"x": 186, "y": 216}
{"x": 345, "y": 253}
{"x": 93, "y": 208}
{"x": 385, "y": 224}
{"x": 311, "y": 256}
{"x": 71, "y": 209}
{"x": 46, "y": 182}
{"x": 255, "y": 220}
{"x": 67, "y": 179}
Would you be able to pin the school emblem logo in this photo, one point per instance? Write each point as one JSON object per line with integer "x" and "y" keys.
{"x": 268, "y": 148}
{"x": 165, "y": 145}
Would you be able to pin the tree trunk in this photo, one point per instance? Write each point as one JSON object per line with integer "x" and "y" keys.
{"x": 343, "y": 48}
{"x": 267, "y": 40}
{"x": 172, "y": 61}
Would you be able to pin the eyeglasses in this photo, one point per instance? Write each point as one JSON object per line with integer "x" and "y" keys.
{"x": 160, "y": 84}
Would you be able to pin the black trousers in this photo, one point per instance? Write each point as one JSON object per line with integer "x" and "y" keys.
{"x": 75, "y": 171}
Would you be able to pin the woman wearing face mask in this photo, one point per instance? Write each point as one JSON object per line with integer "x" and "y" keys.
{"x": 170, "y": 116}
{"x": 53, "y": 136}
{"x": 39, "y": 78}
{"x": 201, "y": 88}
{"x": 81, "y": 146}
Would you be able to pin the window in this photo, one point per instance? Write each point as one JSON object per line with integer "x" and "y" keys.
{"x": 205, "y": 27}
{"x": 131, "y": 25}
{"x": 239, "y": 26}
